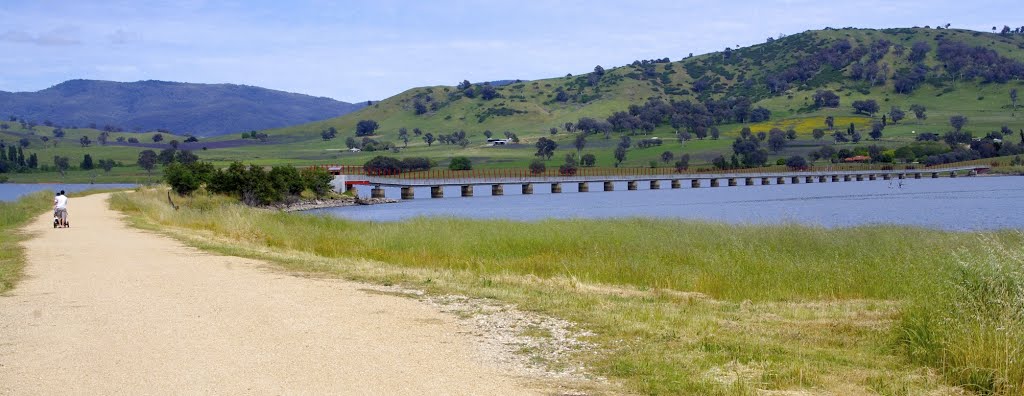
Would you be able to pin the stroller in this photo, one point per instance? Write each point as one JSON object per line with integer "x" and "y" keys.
{"x": 56, "y": 221}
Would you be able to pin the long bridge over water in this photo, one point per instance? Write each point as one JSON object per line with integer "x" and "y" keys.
{"x": 497, "y": 181}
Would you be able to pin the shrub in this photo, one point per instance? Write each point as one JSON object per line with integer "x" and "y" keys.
{"x": 413, "y": 164}
{"x": 567, "y": 169}
{"x": 537, "y": 167}
{"x": 588, "y": 160}
{"x": 796, "y": 162}
{"x": 460, "y": 163}
{"x": 381, "y": 165}
{"x": 317, "y": 180}
{"x": 185, "y": 179}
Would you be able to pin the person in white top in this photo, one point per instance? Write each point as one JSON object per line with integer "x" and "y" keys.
{"x": 60, "y": 209}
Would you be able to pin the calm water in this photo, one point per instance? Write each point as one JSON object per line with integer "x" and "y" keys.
{"x": 11, "y": 192}
{"x": 965, "y": 203}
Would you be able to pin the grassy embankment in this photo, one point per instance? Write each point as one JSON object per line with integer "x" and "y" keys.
{"x": 12, "y": 216}
{"x": 680, "y": 307}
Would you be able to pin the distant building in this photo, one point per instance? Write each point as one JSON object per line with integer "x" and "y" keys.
{"x": 498, "y": 142}
{"x": 355, "y": 149}
{"x": 858, "y": 158}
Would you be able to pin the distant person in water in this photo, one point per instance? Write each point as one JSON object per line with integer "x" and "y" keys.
{"x": 60, "y": 209}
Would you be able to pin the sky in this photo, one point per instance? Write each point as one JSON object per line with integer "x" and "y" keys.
{"x": 370, "y": 50}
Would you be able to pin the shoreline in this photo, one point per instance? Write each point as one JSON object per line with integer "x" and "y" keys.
{"x": 329, "y": 203}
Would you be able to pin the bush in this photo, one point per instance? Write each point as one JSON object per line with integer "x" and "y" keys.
{"x": 460, "y": 163}
{"x": 381, "y": 165}
{"x": 413, "y": 164}
{"x": 185, "y": 179}
{"x": 796, "y": 162}
{"x": 287, "y": 179}
{"x": 588, "y": 160}
{"x": 317, "y": 180}
{"x": 567, "y": 169}
{"x": 537, "y": 167}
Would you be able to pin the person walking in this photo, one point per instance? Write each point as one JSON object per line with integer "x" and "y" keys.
{"x": 60, "y": 209}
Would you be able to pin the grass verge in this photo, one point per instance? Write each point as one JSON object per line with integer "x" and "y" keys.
{"x": 676, "y": 307}
{"x": 13, "y": 215}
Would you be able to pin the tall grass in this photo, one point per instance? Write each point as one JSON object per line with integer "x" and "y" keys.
{"x": 778, "y": 307}
{"x": 973, "y": 329}
{"x": 12, "y": 216}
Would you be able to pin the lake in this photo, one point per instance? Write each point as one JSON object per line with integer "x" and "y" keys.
{"x": 965, "y": 203}
{"x": 12, "y": 191}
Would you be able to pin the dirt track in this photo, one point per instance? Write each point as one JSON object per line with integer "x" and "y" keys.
{"x": 105, "y": 308}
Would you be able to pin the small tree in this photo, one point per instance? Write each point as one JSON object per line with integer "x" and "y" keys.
{"x": 185, "y": 179}
{"x": 61, "y": 164}
{"x": 830, "y": 122}
{"x": 366, "y": 127}
{"x": 796, "y": 162}
{"x": 537, "y": 167}
{"x": 429, "y": 138}
{"x": 546, "y": 147}
{"x": 683, "y": 163}
{"x": 919, "y": 112}
{"x": 1013, "y": 98}
{"x": 107, "y": 164}
{"x": 317, "y": 180}
{"x": 667, "y": 157}
{"x": 818, "y": 134}
{"x": 620, "y": 155}
{"x": 460, "y": 163}
{"x": 87, "y": 163}
{"x": 84, "y": 141}
{"x": 958, "y": 122}
{"x": 588, "y": 160}
{"x": 157, "y": 138}
{"x": 896, "y": 115}
{"x": 876, "y": 131}
{"x": 147, "y": 160}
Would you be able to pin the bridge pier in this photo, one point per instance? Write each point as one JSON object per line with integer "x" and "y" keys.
{"x": 765, "y": 181}
{"x": 847, "y": 177}
{"x": 917, "y": 175}
{"x": 467, "y": 191}
{"x": 377, "y": 192}
{"x": 780, "y": 180}
{"x": 676, "y": 183}
{"x": 407, "y": 193}
{"x": 436, "y": 192}
{"x": 497, "y": 189}
{"x": 631, "y": 185}
{"x": 935, "y": 175}
{"x": 714, "y": 182}
{"x": 695, "y": 183}
{"x": 902, "y": 176}
{"x": 556, "y": 188}
{"x": 732, "y": 182}
{"x": 835, "y": 178}
{"x": 872, "y": 177}
{"x": 609, "y": 186}
{"x": 809, "y": 179}
{"x": 795, "y": 179}
{"x": 655, "y": 185}
{"x": 887, "y": 176}
{"x": 860, "y": 177}
{"x": 748, "y": 181}
{"x": 527, "y": 189}
{"x": 952, "y": 174}
{"x": 822, "y": 179}
{"x": 583, "y": 187}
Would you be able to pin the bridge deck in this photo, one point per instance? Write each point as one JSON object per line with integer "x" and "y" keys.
{"x": 393, "y": 181}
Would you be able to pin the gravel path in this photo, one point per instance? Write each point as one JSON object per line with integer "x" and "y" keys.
{"x": 108, "y": 309}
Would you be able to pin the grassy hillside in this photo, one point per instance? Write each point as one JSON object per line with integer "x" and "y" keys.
{"x": 781, "y": 75}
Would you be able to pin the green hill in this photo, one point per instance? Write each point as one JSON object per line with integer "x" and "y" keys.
{"x": 947, "y": 71}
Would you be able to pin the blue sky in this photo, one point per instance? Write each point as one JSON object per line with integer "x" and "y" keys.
{"x": 363, "y": 50}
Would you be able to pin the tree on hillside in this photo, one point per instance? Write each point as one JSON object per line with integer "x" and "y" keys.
{"x": 133, "y": 140}
{"x": 958, "y": 121}
{"x": 58, "y": 132}
{"x": 488, "y": 133}
{"x": 429, "y": 138}
{"x": 84, "y": 141}
{"x": 157, "y": 138}
{"x": 553, "y": 131}
{"x": 896, "y": 115}
{"x": 919, "y": 112}
{"x": 876, "y": 131}
{"x": 328, "y": 134}
{"x": 419, "y": 107}
{"x": 417, "y": 132}
{"x": 174, "y": 143}
{"x": 918, "y": 51}
{"x": 580, "y": 142}
{"x": 1013, "y": 98}
{"x": 620, "y": 155}
{"x": 103, "y": 138}
{"x": 61, "y": 164}
{"x": 715, "y": 133}
{"x": 867, "y": 107}
{"x": 403, "y": 135}
{"x": 683, "y": 162}
{"x": 546, "y": 148}
{"x": 487, "y": 92}
{"x": 87, "y": 163}
{"x": 796, "y": 162}
{"x": 830, "y": 122}
{"x": 107, "y": 164}
{"x": 818, "y": 134}
{"x": 147, "y": 160}
{"x": 826, "y": 98}
{"x": 791, "y": 134}
{"x": 366, "y": 127}
{"x": 588, "y": 160}
{"x": 776, "y": 140}
{"x": 667, "y": 157}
